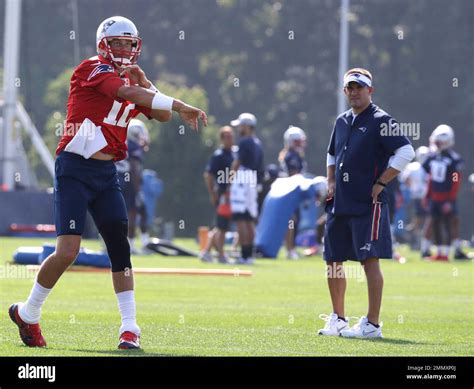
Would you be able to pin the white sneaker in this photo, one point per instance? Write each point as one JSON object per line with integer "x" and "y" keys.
{"x": 293, "y": 255}
{"x": 334, "y": 325}
{"x": 135, "y": 251}
{"x": 206, "y": 256}
{"x": 363, "y": 329}
{"x": 224, "y": 259}
{"x": 243, "y": 261}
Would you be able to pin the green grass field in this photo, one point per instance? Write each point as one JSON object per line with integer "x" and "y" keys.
{"x": 427, "y": 310}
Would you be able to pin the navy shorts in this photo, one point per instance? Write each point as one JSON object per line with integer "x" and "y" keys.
{"x": 358, "y": 237}
{"x": 85, "y": 184}
{"x": 420, "y": 211}
{"x": 222, "y": 222}
{"x": 436, "y": 208}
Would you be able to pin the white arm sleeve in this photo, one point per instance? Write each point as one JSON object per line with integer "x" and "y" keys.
{"x": 403, "y": 156}
{"x": 330, "y": 160}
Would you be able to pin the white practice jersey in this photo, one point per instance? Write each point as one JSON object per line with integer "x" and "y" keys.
{"x": 416, "y": 179}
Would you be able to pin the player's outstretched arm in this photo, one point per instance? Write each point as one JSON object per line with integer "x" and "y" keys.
{"x": 158, "y": 101}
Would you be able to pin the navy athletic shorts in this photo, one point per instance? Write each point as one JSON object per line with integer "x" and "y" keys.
{"x": 420, "y": 211}
{"x": 436, "y": 208}
{"x": 358, "y": 238}
{"x": 85, "y": 184}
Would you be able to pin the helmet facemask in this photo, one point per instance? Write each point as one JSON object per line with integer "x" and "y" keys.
{"x": 120, "y": 58}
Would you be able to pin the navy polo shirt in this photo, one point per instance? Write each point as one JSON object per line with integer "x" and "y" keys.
{"x": 362, "y": 149}
{"x": 220, "y": 161}
{"x": 251, "y": 155}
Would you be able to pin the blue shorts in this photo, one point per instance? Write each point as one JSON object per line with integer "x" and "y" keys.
{"x": 85, "y": 184}
{"x": 420, "y": 211}
{"x": 436, "y": 208}
{"x": 358, "y": 237}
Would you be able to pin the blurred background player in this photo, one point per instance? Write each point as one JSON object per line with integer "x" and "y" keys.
{"x": 415, "y": 178}
{"x": 130, "y": 177}
{"x": 444, "y": 167}
{"x": 395, "y": 201}
{"x": 217, "y": 184}
{"x": 248, "y": 171}
{"x": 271, "y": 173}
{"x": 292, "y": 162}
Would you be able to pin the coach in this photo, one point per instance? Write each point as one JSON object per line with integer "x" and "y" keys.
{"x": 363, "y": 157}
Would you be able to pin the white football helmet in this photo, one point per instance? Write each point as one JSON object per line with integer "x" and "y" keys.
{"x": 442, "y": 138}
{"x": 121, "y": 28}
{"x": 294, "y": 138}
{"x": 138, "y": 133}
{"x": 421, "y": 153}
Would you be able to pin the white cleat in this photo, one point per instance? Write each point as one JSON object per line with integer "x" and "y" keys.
{"x": 243, "y": 261}
{"x": 334, "y": 325}
{"x": 135, "y": 251}
{"x": 293, "y": 255}
{"x": 206, "y": 256}
{"x": 363, "y": 329}
{"x": 223, "y": 259}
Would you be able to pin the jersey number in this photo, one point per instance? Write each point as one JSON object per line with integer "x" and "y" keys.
{"x": 438, "y": 171}
{"x": 112, "y": 116}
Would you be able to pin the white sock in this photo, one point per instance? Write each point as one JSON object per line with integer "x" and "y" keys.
{"x": 445, "y": 250}
{"x": 128, "y": 312}
{"x": 457, "y": 244}
{"x": 30, "y": 312}
{"x": 425, "y": 244}
{"x": 145, "y": 236}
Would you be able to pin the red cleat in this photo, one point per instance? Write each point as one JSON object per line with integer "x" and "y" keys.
{"x": 129, "y": 341}
{"x": 30, "y": 334}
{"x": 439, "y": 258}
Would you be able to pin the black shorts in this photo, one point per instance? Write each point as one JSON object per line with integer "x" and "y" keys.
{"x": 245, "y": 216}
{"x": 222, "y": 222}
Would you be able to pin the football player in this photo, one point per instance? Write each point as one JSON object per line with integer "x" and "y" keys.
{"x": 130, "y": 177}
{"x": 416, "y": 180}
{"x": 219, "y": 193}
{"x": 444, "y": 167}
{"x": 247, "y": 170}
{"x": 292, "y": 162}
{"x": 106, "y": 91}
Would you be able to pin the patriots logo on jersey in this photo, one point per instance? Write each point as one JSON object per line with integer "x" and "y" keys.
{"x": 102, "y": 68}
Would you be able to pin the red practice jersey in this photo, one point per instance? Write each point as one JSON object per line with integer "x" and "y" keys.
{"x": 93, "y": 95}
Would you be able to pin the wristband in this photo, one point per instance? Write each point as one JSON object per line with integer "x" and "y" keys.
{"x": 162, "y": 102}
{"x": 381, "y": 183}
{"x": 153, "y": 88}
